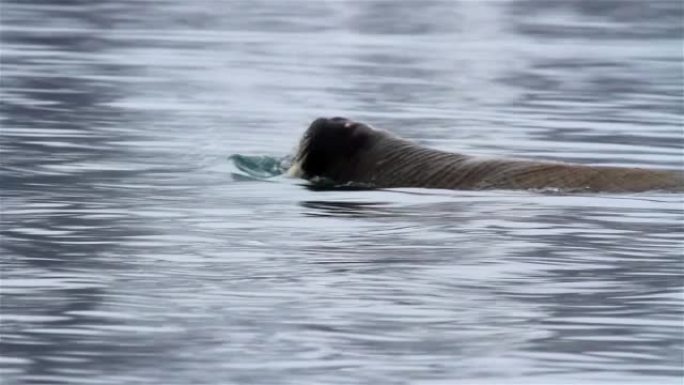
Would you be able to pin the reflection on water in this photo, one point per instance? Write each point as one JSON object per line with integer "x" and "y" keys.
{"x": 134, "y": 251}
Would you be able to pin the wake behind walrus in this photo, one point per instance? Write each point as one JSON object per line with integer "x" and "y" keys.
{"x": 346, "y": 152}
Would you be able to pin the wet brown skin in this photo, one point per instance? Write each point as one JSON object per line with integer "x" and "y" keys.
{"x": 344, "y": 151}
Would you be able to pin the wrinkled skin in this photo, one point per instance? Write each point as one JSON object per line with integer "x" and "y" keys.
{"x": 343, "y": 151}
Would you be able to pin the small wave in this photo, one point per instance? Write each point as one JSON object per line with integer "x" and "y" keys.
{"x": 260, "y": 166}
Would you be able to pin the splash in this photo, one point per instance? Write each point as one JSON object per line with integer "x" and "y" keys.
{"x": 260, "y": 166}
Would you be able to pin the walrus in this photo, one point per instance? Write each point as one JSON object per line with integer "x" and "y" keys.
{"x": 345, "y": 152}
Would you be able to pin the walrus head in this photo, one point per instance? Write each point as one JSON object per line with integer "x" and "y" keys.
{"x": 330, "y": 147}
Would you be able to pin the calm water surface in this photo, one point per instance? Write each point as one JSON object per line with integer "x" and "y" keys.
{"x": 135, "y": 252}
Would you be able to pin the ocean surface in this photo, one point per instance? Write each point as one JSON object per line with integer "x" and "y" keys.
{"x": 135, "y": 250}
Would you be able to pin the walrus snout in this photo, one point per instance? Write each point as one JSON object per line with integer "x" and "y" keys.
{"x": 329, "y": 147}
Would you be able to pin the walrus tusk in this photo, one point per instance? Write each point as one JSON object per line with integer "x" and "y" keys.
{"x": 344, "y": 151}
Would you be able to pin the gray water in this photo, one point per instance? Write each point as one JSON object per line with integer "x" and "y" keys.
{"x": 135, "y": 252}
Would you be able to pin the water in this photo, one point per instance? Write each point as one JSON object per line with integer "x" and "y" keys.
{"x": 135, "y": 251}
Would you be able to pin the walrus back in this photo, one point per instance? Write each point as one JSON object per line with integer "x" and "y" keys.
{"x": 395, "y": 162}
{"x": 540, "y": 175}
